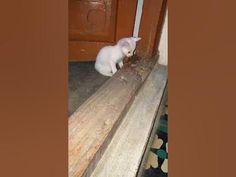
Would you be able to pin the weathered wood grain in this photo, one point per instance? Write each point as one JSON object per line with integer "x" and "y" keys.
{"x": 93, "y": 124}
{"x": 160, "y": 112}
{"x": 124, "y": 154}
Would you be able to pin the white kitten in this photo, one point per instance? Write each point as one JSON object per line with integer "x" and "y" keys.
{"x": 109, "y": 56}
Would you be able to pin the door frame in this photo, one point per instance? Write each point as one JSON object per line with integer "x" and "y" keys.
{"x": 152, "y": 19}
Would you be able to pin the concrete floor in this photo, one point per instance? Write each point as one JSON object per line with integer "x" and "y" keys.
{"x": 84, "y": 80}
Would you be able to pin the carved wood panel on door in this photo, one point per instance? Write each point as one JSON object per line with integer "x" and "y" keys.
{"x": 96, "y": 23}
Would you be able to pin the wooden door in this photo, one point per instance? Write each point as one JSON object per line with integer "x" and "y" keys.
{"x": 96, "y": 23}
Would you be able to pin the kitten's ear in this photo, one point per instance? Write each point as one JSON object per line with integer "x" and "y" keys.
{"x": 136, "y": 39}
{"x": 123, "y": 43}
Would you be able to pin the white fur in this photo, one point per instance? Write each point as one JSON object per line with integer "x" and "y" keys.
{"x": 109, "y": 56}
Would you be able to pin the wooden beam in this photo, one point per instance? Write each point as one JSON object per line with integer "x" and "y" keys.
{"x": 125, "y": 152}
{"x": 160, "y": 112}
{"x": 92, "y": 126}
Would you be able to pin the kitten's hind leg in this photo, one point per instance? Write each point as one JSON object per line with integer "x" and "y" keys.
{"x": 103, "y": 70}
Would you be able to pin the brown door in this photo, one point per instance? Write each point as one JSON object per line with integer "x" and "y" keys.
{"x": 96, "y": 23}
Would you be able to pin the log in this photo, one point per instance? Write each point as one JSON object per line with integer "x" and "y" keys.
{"x": 93, "y": 124}
{"x": 124, "y": 154}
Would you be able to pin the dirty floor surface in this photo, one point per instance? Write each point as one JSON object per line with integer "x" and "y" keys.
{"x": 84, "y": 80}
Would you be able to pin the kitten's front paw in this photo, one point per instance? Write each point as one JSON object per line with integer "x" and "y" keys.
{"x": 121, "y": 64}
{"x": 110, "y": 74}
{"x": 113, "y": 72}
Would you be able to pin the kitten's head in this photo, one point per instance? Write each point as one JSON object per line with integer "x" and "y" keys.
{"x": 128, "y": 45}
